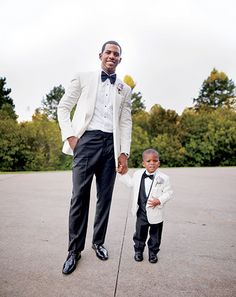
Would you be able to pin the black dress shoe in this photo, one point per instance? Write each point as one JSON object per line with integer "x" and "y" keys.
{"x": 100, "y": 250}
{"x": 71, "y": 262}
{"x": 153, "y": 258}
{"x": 138, "y": 256}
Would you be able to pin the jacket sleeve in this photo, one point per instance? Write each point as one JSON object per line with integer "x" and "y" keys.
{"x": 126, "y": 123}
{"x": 167, "y": 192}
{"x": 65, "y": 106}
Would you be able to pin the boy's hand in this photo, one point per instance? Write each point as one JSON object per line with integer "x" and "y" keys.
{"x": 122, "y": 164}
{"x": 152, "y": 202}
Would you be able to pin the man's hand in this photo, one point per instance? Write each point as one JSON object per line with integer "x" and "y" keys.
{"x": 152, "y": 202}
{"x": 122, "y": 164}
{"x": 72, "y": 141}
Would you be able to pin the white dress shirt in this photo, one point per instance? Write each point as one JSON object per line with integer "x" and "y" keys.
{"x": 103, "y": 113}
{"x": 148, "y": 183}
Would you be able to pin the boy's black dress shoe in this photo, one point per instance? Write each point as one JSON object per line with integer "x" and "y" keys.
{"x": 71, "y": 262}
{"x": 153, "y": 258}
{"x": 138, "y": 256}
{"x": 100, "y": 250}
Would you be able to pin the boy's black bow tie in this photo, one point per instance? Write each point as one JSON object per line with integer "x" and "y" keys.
{"x": 151, "y": 176}
{"x": 111, "y": 77}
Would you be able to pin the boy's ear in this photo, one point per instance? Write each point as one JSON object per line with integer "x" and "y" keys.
{"x": 143, "y": 164}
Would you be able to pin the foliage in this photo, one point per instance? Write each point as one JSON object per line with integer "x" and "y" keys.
{"x": 136, "y": 98}
{"x": 217, "y": 91}
{"x": 7, "y": 107}
{"x": 204, "y": 136}
{"x": 137, "y": 103}
{"x": 162, "y": 121}
{"x": 140, "y": 142}
{"x": 50, "y": 102}
{"x": 209, "y": 137}
{"x": 11, "y": 145}
{"x": 171, "y": 152}
{"x": 34, "y": 145}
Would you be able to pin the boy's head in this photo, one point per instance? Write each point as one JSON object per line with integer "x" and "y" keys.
{"x": 151, "y": 160}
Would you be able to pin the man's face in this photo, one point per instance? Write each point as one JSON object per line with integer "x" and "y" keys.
{"x": 151, "y": 162}
{"x": 110, "y": 58}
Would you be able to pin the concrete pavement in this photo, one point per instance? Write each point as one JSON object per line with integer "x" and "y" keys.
{"x": 198, "y": 251}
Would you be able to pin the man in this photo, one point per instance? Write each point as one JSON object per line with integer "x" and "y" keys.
{"x": 99, "y": 139}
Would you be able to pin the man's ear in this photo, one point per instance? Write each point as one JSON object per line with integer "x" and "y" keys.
{"x": 120, "y": 60}
{"x": 100, "y": 56}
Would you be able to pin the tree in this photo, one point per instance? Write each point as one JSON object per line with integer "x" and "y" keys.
{"x": 140, "y": 142}
{"x": 7, "y": 107}
{"x": 172, "y": 154}
{"x": 209, "y": 137}
{"x": 162, "y": 121}
{"x": 137, "y": 103}
{"x": 8, "y": 143}
{"x": 136, "y": 98}
{"x": 51, "y": 101}
{"x": 217, "y": 91}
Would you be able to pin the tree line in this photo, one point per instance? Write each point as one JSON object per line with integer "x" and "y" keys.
{"x": 203, "y": 135}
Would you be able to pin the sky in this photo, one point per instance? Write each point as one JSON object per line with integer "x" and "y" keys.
{"x": 168, "y": 47}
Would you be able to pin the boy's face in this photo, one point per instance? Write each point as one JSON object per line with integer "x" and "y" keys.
{"x": 151, "y": 162}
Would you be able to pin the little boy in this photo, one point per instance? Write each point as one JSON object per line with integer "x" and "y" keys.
{"x": 151, "y": 191}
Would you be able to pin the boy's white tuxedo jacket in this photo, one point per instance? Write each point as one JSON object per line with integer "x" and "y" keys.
{"x": 162, "y": 191}
{"x": 83, "y": 91}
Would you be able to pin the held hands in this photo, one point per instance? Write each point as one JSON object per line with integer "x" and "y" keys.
{"x": 152, "y": 202}
{"x": 72, "y": 141}
{"x": 122, "y": 164}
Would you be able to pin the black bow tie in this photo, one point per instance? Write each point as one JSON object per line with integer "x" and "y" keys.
{"x": 151, "y": 176}
{"x": 105, "y": 76}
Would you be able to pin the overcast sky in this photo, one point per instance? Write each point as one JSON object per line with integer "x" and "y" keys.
{"x": 169, "y": 46}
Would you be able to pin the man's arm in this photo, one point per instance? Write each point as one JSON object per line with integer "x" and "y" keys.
{"x": 125, "y": 133}
{"x": 67, "y": 102}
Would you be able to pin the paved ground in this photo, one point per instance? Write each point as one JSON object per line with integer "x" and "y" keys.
{"x": 197, "y": 256}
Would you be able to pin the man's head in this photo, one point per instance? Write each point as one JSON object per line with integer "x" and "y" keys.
{"x": 151, "y": 160}
{"x": 110, "y": 56}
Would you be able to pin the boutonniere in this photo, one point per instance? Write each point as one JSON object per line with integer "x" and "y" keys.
{"x": 159, "y": 181}
{"x": 120, "y": 87}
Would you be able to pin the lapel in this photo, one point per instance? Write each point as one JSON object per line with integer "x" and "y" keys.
{"x": 117, "y": 100}
{"x": 137, "y": 182}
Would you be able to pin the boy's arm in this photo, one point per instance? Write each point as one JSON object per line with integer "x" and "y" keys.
{"x": 167, "y": 193}
{"x": 159, "y": 197}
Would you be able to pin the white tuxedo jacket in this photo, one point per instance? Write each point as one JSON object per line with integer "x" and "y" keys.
{"x": 82, "y": 91}
{"x": 160, "y": 189}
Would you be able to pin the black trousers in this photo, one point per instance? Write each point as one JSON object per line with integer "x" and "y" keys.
{"x": 141, "y": 234}
{"x": 93, "y": 155}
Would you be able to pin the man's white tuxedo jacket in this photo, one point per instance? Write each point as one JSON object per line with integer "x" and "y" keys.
{"x": 82, "y": 92}
{"x": 162, "y": 191}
